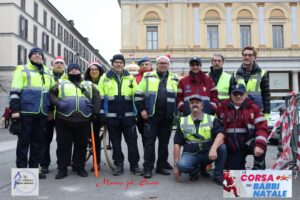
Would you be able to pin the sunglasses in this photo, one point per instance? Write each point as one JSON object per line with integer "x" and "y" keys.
{"x": 59, "y": 63}
{"x": 238, "y": 94}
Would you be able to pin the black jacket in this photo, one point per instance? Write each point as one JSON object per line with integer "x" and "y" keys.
{"x": 264, "y": 84}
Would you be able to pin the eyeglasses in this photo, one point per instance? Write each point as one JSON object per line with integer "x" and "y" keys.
{"x": 238, "y": 94}
{"x": 195, "y": 64}
{"x": 94, "y": 69}
{"x": 162, "y": 63}
{"x": 61, "y": 63}
{"x": 247, "y": 55}
{"x": 217, "y": 60}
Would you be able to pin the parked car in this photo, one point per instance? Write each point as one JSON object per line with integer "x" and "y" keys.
{"x": 273, "y": 118}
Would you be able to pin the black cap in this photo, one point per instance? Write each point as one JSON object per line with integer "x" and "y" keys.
{"x": 36, "y": 50}
{"x": 195, "y": 59}
{"x": 117, "y": 57}
{"x": 74, "y": 65}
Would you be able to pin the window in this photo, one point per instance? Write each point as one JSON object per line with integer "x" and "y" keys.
{"x": 71, "y": 57}
{"x": 36, "y": 11}
{"x": 45, "y": 42}
{"x": 23, "y": 26}
{"x": 53, "y": 26}
{"x": 58, "y": 49}
{"x": 60, "y": 31}
{"x": 66, "y": 37}
{"x": 52, "y": 47}
{"x": 35, "y": 35}
{"x": 152, "y": 37}
{"x": 245, "y": 36}
{"x": 23, "y": 5}
{"x": 212, "y": 37}
{"x": 75, "y": 45}
{"x": 277, "y": 36}
{"x": 71, "y": 41}
{"x": 22, "y": 55}
{"x": 80, "y": 49}
{"x": 45, "y": 18}
{"x": 66, "y": 56}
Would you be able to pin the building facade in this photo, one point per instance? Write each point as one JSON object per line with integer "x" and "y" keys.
{"x": 187, "y": 28}
{"x": 27, "y": 24}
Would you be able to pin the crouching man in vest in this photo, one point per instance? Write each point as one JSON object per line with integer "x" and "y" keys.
{"x": 201, "y": 143}
{"x": 245, "y": 129}
{"x": 77, "y": 102}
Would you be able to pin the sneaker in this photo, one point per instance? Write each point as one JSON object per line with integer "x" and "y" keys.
{"x": 194, "y": 177}
{"x": 137, "y": 171}
{"x": 62, "y": 173}
{"x": 147, "y": 173}
{"x": 118, "y": 170}
{"x": 167, "y": 166}
{"x": 82, "y": 173}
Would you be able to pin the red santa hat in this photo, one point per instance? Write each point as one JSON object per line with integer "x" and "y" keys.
{"x": 94, "y": 63}
{"x": 59, "y": 59}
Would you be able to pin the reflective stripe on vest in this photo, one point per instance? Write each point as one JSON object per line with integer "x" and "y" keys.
{"x": 152, "y": 86}
{"x": 253, "y": 84}
{"x": 223, "y": 86}
{"x": 34, "y": 97}
{"x": 188, "y": 128}
{"x": 72, "y": 99}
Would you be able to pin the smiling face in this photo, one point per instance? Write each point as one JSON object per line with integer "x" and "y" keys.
{"x": 196, "y": 105}
{"x": 195, "y": 67}
{"x": 94, "y": 72}
{"x": 118, "y": 66}
{"x": 248, "y": 57}
{"x": 162, "y": 65}
{"x": 59, "y": 67}
{"x": 37, "y": 57}
{"x": 238, "y": 98}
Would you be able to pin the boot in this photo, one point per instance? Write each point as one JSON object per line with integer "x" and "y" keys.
{"x": 118, "y": 170}
{"x": 62, "y": 173}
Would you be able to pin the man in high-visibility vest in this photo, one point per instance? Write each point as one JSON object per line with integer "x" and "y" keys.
{"x": 117, "y": 89}
{"x": 57, "y": 72}
{"x": 155, "y": 100}
{"x": 77, "y": 103}
{"x": 201, "y": 144}
{"x": 30, "y": 104}
{"x": 254, "y": 79}
{"x": 219, "y": 76}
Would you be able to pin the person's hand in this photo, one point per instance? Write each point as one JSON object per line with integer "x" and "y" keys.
{"x": 258, "y": 151}
{"x": 15, "y": 115}
{"x": 177, "y": 173}
{"x": 15, "y": 127}
{"x": 50, "y": 116}
{"x": 213, "y": 155}
{"x": 180, "y": 106}
{"x": 144, "y": 114}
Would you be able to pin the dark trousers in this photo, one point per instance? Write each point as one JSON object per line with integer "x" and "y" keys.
{"x": 68, "y": 134}
{"x": 6, "y": 122}
{"x": 97, "y": 127}
{"x": 161, "y": 127}
{"x": 140, "y": 125}
{"x": 46, "y": 159}
{"x": 237, "y": 160}
{"x": 32, "y": 137}
{"x": 130, "y": 135}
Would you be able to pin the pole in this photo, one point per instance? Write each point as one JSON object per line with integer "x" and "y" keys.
{"x": 94, "y": 152}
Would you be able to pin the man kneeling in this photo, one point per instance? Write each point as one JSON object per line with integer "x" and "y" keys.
{"x": 202, "y": 144}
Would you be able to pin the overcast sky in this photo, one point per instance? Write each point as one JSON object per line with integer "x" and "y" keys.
{"x": 99, "y": 20}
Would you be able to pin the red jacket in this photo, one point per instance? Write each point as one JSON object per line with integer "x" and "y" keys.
{"x": 200, "y": 84}
{"x": 7, "y": 113}
{"x": 243, "y": 125}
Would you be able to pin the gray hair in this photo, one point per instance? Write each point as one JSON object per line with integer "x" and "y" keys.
{"x": 218, "y": 55}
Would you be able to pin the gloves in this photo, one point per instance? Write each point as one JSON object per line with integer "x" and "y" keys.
{"x": 96, "y": 118}
{"x": 103, "y": 120}
{"x": 15, "y": 127}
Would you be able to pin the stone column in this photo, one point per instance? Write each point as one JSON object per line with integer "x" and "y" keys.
{"x": 295, "y": 81}
{"x": 294, "y": 24}
{"x": 228, "y": 24}
{"x": 196, "y": 25}
{"x": 261, "y": 24}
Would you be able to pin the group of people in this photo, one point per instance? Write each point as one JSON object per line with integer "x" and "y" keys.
{"x": 217, "y": 121}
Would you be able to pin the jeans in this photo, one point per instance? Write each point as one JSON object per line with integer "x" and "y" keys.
{"x": 191, "y": 163}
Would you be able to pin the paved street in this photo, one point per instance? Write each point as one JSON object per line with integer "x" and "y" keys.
{"x": 110, "y": 187}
